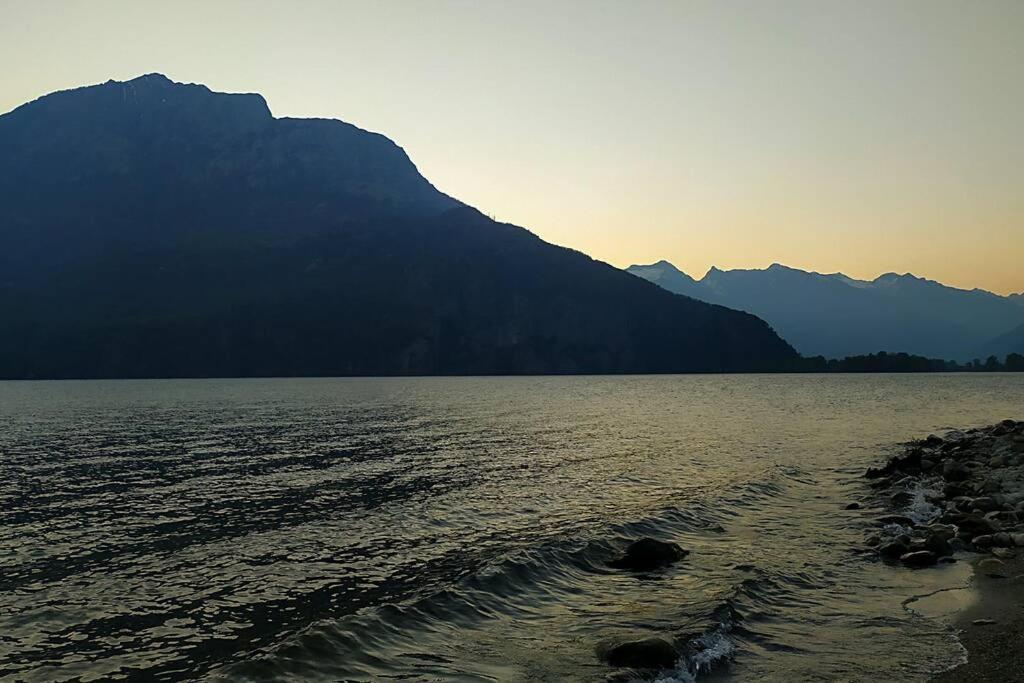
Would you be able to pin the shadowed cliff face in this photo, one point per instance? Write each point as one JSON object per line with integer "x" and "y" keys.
{"x": 836, "y": 316}
{"x": 156, "y": 229}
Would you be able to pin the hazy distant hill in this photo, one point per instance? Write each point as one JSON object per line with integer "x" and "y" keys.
{"x": 837, "y": 316}
{"x": 150, "y": 228}
{"x": 1010, "y": 342}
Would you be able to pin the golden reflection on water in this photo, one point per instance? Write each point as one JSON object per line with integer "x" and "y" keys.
{"x": 457, "y": 527}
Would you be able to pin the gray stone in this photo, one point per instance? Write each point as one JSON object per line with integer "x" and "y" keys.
{"x": 946, "y": 531}
{"x": 938, "y": 545}
{"x": 984, "y": 504}
{"x": 975, "y": 525}
{"x": 990, "y": 486}
{"x": 954, "y": 471}
{"x": 990, "y": 566}
{"x": 984, "y": 541}
{"x": 893, "y": 550}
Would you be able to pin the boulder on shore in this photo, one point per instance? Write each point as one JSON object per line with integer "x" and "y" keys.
{"x": 972, "y": 483}
{"x": 954, "y": 471}
{"x": 647, "y": 554}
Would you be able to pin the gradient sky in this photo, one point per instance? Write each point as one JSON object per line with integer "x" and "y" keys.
{"x": 861, "y": 137}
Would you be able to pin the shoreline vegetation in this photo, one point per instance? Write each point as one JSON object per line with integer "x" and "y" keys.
{"x": 960, "y": 496}
{"x": 905, "y": 362}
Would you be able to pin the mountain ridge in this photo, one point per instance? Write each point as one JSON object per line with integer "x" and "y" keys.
{"x": 160, "y": 229}
{"x": 835, "y": 315}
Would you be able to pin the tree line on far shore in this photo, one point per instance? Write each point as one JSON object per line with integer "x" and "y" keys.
{"x": 905, "y": 362}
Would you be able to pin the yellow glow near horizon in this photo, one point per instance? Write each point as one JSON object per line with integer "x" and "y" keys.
{"x": 833, "y": 136}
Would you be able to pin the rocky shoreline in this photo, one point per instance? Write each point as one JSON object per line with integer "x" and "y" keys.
{"x": 961, "y": 494}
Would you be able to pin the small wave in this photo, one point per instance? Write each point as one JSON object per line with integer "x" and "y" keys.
{"x": 476, "y": 598}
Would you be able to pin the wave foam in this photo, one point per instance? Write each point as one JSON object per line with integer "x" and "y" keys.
{"x": 704, "y": 652}
{"x": 921, "y": 509}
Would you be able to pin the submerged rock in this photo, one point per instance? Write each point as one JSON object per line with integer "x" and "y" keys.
{"x": 647, "y": 554}
{"x": 918, "y": 559}
{"x": 649, "y": 653}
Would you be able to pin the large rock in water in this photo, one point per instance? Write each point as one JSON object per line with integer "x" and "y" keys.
{"x": 649, "y": 653}
{"x": 150, "y": 228}
{"x": 647, "y": 554}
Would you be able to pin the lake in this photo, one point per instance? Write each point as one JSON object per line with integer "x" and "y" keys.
{"x": 460, "y": 528}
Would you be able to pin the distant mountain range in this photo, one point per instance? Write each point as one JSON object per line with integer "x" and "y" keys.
{"x": 1011, "y": 342}
{"x": 150, "y": 228}
{"x": 837, "y": 316}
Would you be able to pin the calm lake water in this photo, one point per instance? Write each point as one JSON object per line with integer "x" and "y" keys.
{"x": 459, "y": 528}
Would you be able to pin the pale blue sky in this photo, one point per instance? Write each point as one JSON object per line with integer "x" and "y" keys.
{"x": 856, "y": 136}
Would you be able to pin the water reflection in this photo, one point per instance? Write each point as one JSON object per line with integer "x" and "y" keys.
{"x": 453, "y": 527}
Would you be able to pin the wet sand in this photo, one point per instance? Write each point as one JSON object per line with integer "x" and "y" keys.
{"x": 994, "y": 651}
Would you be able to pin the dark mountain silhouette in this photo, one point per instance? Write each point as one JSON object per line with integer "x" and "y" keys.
{"x": 149, "y": 228}
{"x": 837, "y": 316}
